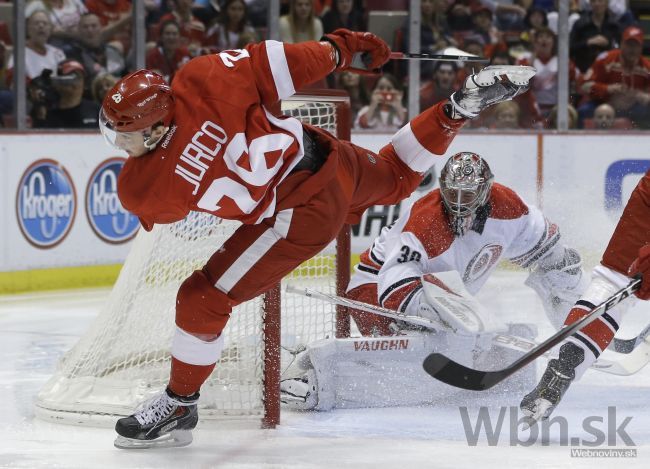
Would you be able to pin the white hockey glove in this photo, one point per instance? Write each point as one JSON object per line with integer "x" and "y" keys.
{"x": 489, "y": 86}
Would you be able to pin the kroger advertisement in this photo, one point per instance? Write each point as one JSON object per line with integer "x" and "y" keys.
{"x": 61, "y": 209}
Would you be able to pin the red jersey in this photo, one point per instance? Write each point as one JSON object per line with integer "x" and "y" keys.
{"x": 608, "y": 69}
{"x": 225, "y": 152}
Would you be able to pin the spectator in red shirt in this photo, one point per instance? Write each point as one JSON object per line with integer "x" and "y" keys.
{"x": 621, "y": 77}
{"x": 169, "y": 56}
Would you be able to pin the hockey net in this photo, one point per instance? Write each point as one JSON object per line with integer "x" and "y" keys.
{"x": 124, "y": 358}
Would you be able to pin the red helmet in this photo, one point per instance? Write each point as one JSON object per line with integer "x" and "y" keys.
{"x": 137, "y": 101}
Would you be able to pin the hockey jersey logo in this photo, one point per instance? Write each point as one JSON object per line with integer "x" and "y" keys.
{"x": 482, "y": 262}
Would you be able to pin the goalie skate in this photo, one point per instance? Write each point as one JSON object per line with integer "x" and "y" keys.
{"x": 490, "y": 86}
{"x": 166, "y": 420}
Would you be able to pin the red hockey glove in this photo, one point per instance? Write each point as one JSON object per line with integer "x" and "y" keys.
{"x": 641, "y": 265}
{"x": 373, "y": 50}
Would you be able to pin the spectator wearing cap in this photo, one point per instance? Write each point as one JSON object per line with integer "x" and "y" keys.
{"x": 595, "y": 32}
{"x": 169, "y": 55}
{"x": 621, "y": 77}
{"x": 73, "y": 111}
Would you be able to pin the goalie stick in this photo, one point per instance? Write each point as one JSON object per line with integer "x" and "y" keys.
{"x": 450, "y": 372}
{"x": 626, "y": 366}
{"x": 628, "y": 345}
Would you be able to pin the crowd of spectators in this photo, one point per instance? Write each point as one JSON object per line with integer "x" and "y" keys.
{"x": 76, "y": 50}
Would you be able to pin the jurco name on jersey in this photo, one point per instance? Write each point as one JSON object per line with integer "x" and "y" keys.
{"x": 205, "y": 145}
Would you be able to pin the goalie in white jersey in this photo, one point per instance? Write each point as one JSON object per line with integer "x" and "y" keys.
{"x": 428, "y": 264}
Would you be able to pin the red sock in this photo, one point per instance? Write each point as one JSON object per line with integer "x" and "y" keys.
{"x": 186, "y": 379}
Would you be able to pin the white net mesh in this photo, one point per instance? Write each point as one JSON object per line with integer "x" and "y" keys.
{"x": 124, "y": 358}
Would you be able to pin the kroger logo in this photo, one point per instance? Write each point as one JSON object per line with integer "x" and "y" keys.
{"x": 46, "y": 203}
{"x": 108, "y": 219}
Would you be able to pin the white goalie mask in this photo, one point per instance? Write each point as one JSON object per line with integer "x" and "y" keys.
{"x": 465, "y": 184}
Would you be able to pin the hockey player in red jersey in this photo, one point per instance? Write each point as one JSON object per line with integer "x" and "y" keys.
{"x": 428, "y": 265}
{"x": 209, "y": 143}
{"x": 627, "y": 254}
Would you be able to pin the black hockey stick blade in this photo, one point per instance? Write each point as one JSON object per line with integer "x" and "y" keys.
{"x": 455, "y": 374}
{"x": 450, "y": 372}
{"x": 438, "y": 57}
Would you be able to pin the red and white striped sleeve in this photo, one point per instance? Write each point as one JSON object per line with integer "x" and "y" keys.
{"x": 426, "y": 136}
{"x": 399, "y": 286}
{"x": 281, "y": 69}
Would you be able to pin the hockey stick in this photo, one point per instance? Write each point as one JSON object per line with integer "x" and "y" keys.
{"x": 448, "y": 371}
{"x": 438, "y": 57}
{"x": 629, "y": 364}
{"x": 626, "y": 366}
{"x": 628, "y": 345}
{"x": 368, "y": 308}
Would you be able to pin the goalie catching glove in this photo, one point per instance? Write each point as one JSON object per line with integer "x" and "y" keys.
{"x": 348, "y": 43}
{"x": 445, "y": 300}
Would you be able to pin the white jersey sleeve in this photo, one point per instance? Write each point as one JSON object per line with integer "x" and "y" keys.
{"x": 536, "y": 238}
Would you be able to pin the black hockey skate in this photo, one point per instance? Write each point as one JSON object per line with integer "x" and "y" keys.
{"x": 489, "y": 86}
{"x": 560, "y": 372}
{"x": 166, "y": 420}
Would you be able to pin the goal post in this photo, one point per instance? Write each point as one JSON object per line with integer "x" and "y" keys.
{"x": 124, "y": 357}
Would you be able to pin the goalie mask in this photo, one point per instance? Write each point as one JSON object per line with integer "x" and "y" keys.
{"x": 465, "y": 184}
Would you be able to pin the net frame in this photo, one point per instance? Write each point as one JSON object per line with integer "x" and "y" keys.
{"x": 57, "y": 401}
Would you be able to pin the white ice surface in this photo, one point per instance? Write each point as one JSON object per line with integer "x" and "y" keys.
{"x": 35, "y": 330}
